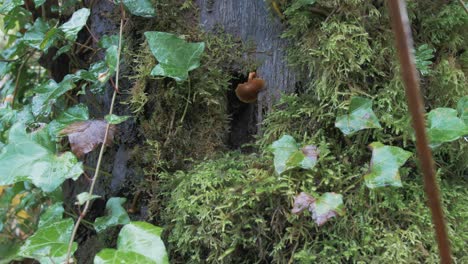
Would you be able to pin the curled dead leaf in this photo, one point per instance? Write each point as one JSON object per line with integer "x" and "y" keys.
{"x": 85, "y": 136}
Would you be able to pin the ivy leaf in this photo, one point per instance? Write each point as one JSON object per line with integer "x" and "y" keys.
{"x": 323, "y": 208}
{"x": 53, "y": 214}
{"x": 107, "y": 41}
{"x": 360, "y": 117}
{"x": 85, "y": 136}
{"x": 385, "y": 162}
{"x": 24, "y": 159}
{"x": 73, "y": 114}
{"x": 50, "y": 38}
{"x": 176, "y": 57}
{"x": 462, "y": 109}
{"x": 116, "y": 215}
{"x": 113, "y": 256}
{"x": 48, "y": 93}
{"x": 298, "y": 4}
{"x": 444, "y": 126}
{"x": 143, "y": 8}
{"x": 9, "y": 5}
{"x": 145, "y": 239}
{"x": 75, "y": 24}
{"x": 424, "y": 55}
{"x": 83, "y": 197}
{"x": 115, "y": 119}
{"x": 35, "y": 35}
{"x": 327, "y": 206}
{"x": 38, "y": 3}
{"x": 50, "y": 243}
{"x": 289, "y": 155}
{"x": 111, "y": 57}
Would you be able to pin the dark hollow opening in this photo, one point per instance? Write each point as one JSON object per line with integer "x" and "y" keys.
{"x": 243, "y": 118}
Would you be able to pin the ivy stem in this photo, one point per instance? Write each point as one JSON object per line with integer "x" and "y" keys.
{"x": 188, "y": 101}
{"x": 15, "y": 92}
{"x": 103, "y": 146}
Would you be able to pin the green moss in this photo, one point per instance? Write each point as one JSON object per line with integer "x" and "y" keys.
{"x": 233, "y": 208}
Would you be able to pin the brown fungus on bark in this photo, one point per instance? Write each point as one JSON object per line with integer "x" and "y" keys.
{"x": 247, "y": 92}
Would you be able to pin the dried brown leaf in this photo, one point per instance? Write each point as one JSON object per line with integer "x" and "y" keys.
{"x": 302, "y": 202}
{"x": 85, "y": 136}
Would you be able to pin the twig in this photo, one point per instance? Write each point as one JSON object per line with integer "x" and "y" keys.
{"x": 463, "y": 4}
{"x": 18, "y": 75}
{"x": 404, "y": 43}
{"x": 103, "y": 146}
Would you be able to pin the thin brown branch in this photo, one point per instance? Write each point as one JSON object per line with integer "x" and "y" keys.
{"x": 404, "y": 43}
{"x": 103, "y": 146}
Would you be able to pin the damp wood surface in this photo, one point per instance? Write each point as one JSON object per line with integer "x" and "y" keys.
{"x": 252, "y": 21}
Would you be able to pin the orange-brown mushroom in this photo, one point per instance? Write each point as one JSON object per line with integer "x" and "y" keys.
{"x": 247, "y": 92}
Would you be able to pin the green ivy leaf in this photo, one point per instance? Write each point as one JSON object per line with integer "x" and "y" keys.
{"x": 48, "y": 93}
{"x": 360, "y": 117}
{"x": 50, "y": 243}
{"x": 107, "y": 41}
{"x": 424, "y": 55}
{"x": 385, "y": 162}
{"x": 73, "y": 114}
{"x": 327, "y": 206}
{"x": 112, "y": 256}
{"x": 53, "y": 214}
{"x": 52, "y": 36}
{"x": 111, "y": 57}
{"x": 115, "y": 119}
{"x": 38, "y": 3}
{"x": 444, "y": 126}
{"x": 116, "y": 215}
{"x": 289, "y": 155}
{"x": 176, "y": 57}
{"x": 75, "y": 24}
{"x": 24, "y": 159}
{"x": 143, "y": 8}
{"x": 145, "y": 239}
{"x": 35, "y": 35}
{"x": 9, "y": 5}
{"x": 83, "y": 197}
{"x": 462, "y": 109}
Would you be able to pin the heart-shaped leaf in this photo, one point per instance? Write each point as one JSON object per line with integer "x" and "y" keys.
{"x": 50, "y": 243}
{"x": 36, "y": 34}
{"x": 143, "y": 8}
{"x": 73, "y": 114}
{"x": 75, "y": 23}
{"x": 24, "y": 159}
{"x": 360, "y": 116}
{"x": 176, "y": 57}
{"x": 53, "y": 214}
{"x": 145, "y": 239}
{"x": 385, "y": 162}
{"x": 289, "y": 155}
{"x": 8, "y": 5}
{"x": 323, "y": 208}
{"x": 115, "y": 119}
{"x": 444, "y": 126}
{"x": 83, "y": 197}
{"x": 48, "y": 93}
{"x": 116, "y": 215}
